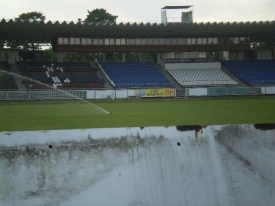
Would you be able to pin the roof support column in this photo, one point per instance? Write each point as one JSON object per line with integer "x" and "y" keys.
{"x": 60, "y": 56}
{"x": 123, "y": 57}
{"x": 159, "y": 56}
{"x": 159, "y": 60}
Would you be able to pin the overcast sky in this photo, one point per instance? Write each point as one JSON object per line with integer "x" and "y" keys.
{"x": 143, "y": 10}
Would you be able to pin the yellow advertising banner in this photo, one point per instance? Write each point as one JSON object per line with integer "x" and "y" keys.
{"x": 155, "y": 92}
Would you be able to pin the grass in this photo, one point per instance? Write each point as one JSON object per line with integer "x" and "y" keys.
{"x": 20, "y": 116}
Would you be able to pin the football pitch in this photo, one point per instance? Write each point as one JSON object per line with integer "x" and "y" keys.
{"x": 51, "y": 115}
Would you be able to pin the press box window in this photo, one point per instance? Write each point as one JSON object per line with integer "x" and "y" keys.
{"x": 199, "y": 40}
{"x": 84, "y": 41}
{"x": 100, "y": 42}
{"x": 89, "y": 41}
{"x": 107, "y": 41}
{"x": 138, "y": 41}
{"x": 122, "y": 41}
{"x": 117, "y": 41}
{"x": 77, "y": 40}
{"x": 156, "y": 41}
{"x": 168, "y": 41}
{"x": 112, "y": 41}
{"x": 72, "y": 41}
{"x": 144, "y": 41}
{"x": 150, "y": 41}
{"x": 215, "y": 40}
{"x": 65, "y": 41}
{"x": 95, "y": 41}
{"x": 179, "y": 41}
{"x": 60, "y": 40}
{"x": 162, "y": 41}
{"x": 174, "y": 41}
{"x": 132, "y": 41}
{"x": 242, "y": 39}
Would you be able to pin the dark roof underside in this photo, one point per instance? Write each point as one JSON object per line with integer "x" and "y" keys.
{"x": 47, "y": 31}
{"x": 176, "y": 7}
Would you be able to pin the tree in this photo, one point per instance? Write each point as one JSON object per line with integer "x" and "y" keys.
{"x": 31, "y": 16}
{"x": 26, "y": 45}
{"x": 100, "y": 15}
{"x": 49, "y": 55}
{"x": 97, "y": 15}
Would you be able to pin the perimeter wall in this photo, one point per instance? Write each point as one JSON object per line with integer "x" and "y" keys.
{"x": 181, "y": 165}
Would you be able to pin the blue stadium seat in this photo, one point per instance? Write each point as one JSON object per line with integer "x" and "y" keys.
{"x": 135, "y": 74}
{"x": 253, "y": 72}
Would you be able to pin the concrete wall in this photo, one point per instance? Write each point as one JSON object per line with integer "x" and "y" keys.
{"x": 183, "y": 165}
{"x": 197, "y": 91}
{"x": 268, "y": 90}
{"x": 196, "y": 65}
{"x": 12, "y": 56}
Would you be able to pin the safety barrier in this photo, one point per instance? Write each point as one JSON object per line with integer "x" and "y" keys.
{"x": 131, "y": 93}
{"x": 74, "y": 94}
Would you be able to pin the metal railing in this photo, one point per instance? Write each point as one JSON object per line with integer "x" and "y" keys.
{"x": 42, "y": 95}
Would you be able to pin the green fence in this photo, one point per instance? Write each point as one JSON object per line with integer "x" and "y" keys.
{"x": 220, "y": 91}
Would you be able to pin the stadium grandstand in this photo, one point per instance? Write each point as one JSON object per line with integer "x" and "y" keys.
{"x": 191, "y": 58}
{"x": 73, "y": 75}
{"x": 157, "y": 149}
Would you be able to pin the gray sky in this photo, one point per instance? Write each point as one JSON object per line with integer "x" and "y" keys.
{"x": 143, "y": 10}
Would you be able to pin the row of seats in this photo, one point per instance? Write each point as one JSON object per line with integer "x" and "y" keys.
{"x": 253, "y": 72}
{"x": 61, "y": 74}
{"x": 56, "y": 69}
{"x": 42, "y": 63}
{"x": 7, "y": 81}
{"x": 200, "y": 76}
{"x": 64, "y": 79}
{"x": 135, "y": 74}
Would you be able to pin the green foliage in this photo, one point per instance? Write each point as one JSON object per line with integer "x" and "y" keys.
{"x": 2, "y": 43}
{"x": 218, "y": 55}
{"x": 25, "y": 45}
{"x": 75, "y": 114}
{"x": 100, "y": 15}
{"x": 137, "y": 56}
{"x": 49, "y": 55}
{"x": 31, "y": 16}
{"x": 97, "y": 15}
{"x": 78, "y": 56}
{"x": 262, "y": 45}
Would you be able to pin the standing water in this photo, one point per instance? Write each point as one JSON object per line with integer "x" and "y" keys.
{"x": 51, "y": 87}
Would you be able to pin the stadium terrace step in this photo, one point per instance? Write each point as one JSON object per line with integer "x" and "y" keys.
{"x": 7, "y": 81}
{"x": 60, "y": 74}
{"x": 135, "y": 74}
{"x": 253, "y": 72}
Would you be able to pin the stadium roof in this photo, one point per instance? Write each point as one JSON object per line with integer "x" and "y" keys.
{"x": 47, "y": 31}
{"x": 176, "y": 7}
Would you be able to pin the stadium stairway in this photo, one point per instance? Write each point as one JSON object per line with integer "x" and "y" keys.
{"x": 180, "y": 90}
{"x": 99, "y": 73}
{"x": 233, "y": 76}
{"x": 19, "y": 80}
{"x": 170, "y": 78}
{"x": 180, "y": 94}
{"x": 252, "y": 90}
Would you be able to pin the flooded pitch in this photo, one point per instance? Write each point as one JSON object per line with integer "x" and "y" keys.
{"x": 182, "y": 165}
